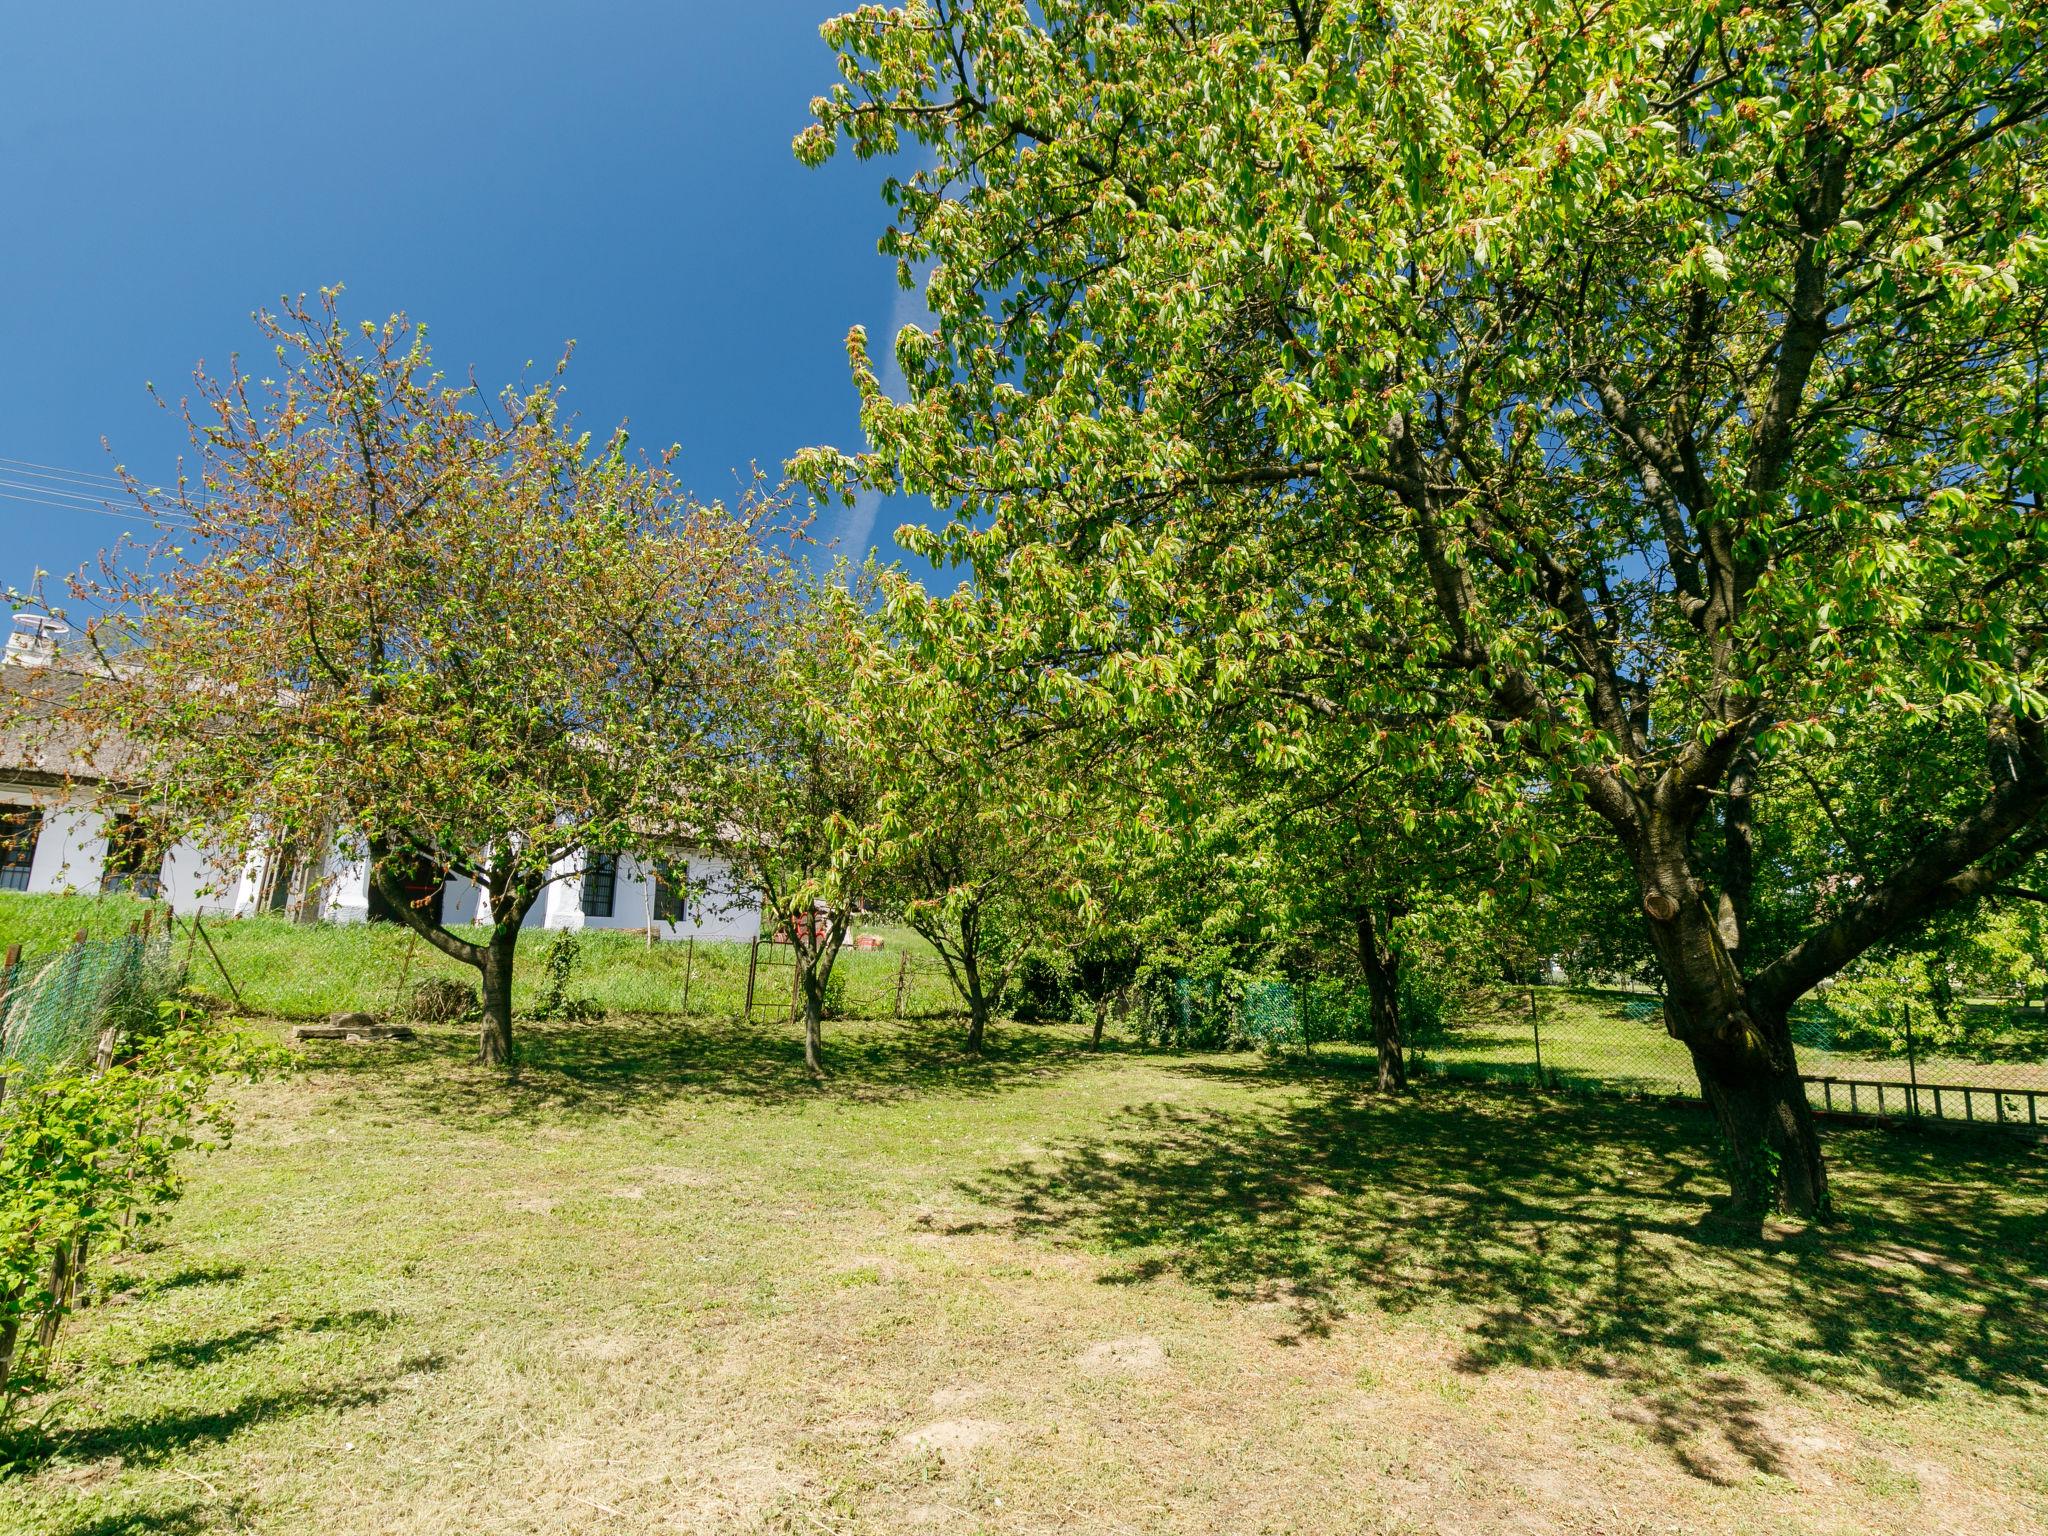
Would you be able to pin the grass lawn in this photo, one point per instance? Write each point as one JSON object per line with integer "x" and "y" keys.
{"x": 1616, "y": 1039}
{"x": 663, "y": 1283}
{"x": 287, "y": 970}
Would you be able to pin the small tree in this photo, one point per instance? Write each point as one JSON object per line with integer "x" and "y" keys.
{"x": 447, "y": 631}
{"x": 979, "y": 841}
{"x": 791, "y": 808}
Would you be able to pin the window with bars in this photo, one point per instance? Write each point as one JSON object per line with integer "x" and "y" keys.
{"x": 600, "y": 884}
{"x": 18, "y": 828}
{"x": 134, "y": 862}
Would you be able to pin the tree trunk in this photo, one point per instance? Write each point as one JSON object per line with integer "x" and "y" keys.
{"x": 1766, "y": 1122}
{"x": 814, "y": 1025}
{"x": 1382, "y": 984}
{"x": 977, "y": 1003}
{"x": 494, "y": 1046}
{"x": 1101, "y": 1014}
{"x": 1744, "y": 1057}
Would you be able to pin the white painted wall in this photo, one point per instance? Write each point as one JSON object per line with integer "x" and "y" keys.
{"x": 71, "y": 855}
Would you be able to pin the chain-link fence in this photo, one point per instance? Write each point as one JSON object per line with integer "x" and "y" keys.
{"x": 56, "y": 1006}
{"x": 1976, "y": 1061}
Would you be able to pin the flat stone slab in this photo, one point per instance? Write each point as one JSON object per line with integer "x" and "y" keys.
{"x": 369, "y": 1030}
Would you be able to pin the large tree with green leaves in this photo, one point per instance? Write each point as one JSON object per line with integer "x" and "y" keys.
{"x": 1672, "y": 376}
{"x": 442, "y": 628}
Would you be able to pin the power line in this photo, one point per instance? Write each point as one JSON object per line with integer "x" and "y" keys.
{"x": 26, "y": 466}
{"x": 77, "y": 506}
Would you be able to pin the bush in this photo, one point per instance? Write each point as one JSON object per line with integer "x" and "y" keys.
{"x": 558, "y": 965}
{"x": 86, "y": 1154}
{"x": 1041, "y": 988}
{"x": 438, "y": 1000}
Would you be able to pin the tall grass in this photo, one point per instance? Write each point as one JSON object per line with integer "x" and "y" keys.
{"x": 288, "y": 970}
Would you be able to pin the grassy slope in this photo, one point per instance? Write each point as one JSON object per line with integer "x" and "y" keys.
{"x": 663, "y": 1283}
{"x": 284, "y": 970}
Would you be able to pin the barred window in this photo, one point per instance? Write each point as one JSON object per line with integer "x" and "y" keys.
{"x": 600, "y": 884}
{"x": 134, "y": 862}
{"x": 18, "y": 828}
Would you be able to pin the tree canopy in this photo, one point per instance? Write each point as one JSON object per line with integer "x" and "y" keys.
{"x": 1651, "y": 395}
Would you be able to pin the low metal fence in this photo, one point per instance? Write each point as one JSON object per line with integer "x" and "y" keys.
{"x": 1985, "y": 1063}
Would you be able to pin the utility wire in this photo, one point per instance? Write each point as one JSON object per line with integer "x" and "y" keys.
{"x": 43, "y": 471}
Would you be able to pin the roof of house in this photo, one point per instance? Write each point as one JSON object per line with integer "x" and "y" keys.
{"x": 42, "y": 742}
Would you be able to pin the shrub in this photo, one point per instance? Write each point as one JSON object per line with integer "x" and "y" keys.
{"x": 87, "y": 1154}
{"x": 438, "y": 1000}
{"x": 558, "y": 965}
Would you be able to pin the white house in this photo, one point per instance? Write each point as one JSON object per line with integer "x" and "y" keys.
{"x": 58, "y": 836}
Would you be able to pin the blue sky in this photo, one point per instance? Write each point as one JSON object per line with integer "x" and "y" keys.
{"x": 513, "y": 174}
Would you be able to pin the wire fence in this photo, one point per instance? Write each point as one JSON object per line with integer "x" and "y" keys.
{"x": 55, "y": 1007}
{"x": 1983, "y": 1062}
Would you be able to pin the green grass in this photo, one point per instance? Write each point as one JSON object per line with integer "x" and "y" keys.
{"x": 663, "y": 1282}
{"x": 287, "y": 970}
{"x": 1616, "y": 1040}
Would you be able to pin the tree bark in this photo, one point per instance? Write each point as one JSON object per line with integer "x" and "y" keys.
{"x": 1750, "y": 1081}
{"x": 814, "y": 1024}
{"x": 1742, "y": 1052}
{"x": 1382, "y": 984}
{"x": 977, "y": 1002}
{"x": 494, "y": 1044}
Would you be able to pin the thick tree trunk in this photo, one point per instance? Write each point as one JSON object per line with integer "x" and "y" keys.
{"x": 1767, "y": 1126}
{"x": 1382, "y": 985}
{"x": 1743, "y": 1055}
{"x": 494, "y": 1046}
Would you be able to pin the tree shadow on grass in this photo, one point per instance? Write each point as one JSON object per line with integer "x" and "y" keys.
{"x": 637, "y": 1064}
{"x": 1575, "y": 1233}
{"x": 149, "y": 1439}
{"x": 183, "y": 1520}
{"x": 191, "y": 1354}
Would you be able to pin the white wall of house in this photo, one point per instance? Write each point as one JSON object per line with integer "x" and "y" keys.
{"x": 71, "y": 856}
{"x": 713, "y": 908}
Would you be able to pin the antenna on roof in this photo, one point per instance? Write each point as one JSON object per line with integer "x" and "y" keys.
{"x": 37, "y": 631}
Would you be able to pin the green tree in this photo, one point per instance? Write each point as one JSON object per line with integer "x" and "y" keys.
{"x": 1671, "y": 376}
{"x": 983, "y": 840}
{"x": 792, "y": 805}
{"x": 443, "y": 629}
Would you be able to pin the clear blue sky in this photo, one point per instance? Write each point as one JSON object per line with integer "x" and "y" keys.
{"x": 513, "y": 174}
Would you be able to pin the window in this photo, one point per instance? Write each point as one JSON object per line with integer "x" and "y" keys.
{"x": 134, "y": 863}
{"x": 18, "y": 828}
{"x": 600, "y": 884}
{"x": 671, "y": 893}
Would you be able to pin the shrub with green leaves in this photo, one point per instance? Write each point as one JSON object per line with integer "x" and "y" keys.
{"x": 88, "y": 1155}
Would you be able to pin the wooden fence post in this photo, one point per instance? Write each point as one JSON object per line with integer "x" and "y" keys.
{"x": 902, "y": 974}
{"x": 218, "y": 964}
{"x": 8, "y": 967}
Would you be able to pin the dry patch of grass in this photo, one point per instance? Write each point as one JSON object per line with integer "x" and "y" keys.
{"x": 662, "y": 1283}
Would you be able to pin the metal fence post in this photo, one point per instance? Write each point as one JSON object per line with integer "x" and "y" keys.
{"x": 902, "y": 975}
{"x": 753, "y": 964}
{"x": 1912, "y": 1066}
{"x": 1536, "y": 1030}
{"x": 689, "y": 965}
